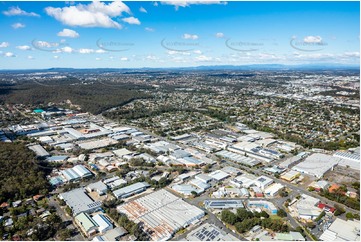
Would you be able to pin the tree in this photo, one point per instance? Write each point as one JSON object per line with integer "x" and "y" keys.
{"x": 123, "y": 220}
{"x": 311, "y": 225}
{"x": 194, "y": 194}
{"x": 68, "y": 210}
{"x": 206, "y": 168}
{"x": 54, "y": 219}
{"x": 281, "y": 213}
{"x": 64, "y": 234}
{"x": 283, "y": 192}
{"x": 61, "y": 202}
{"x": 160, "y": 163}
{"x": 264, "y": 214}
{"x": 257, "y": 214}
{"x": 133, "y": 229}
{"x": 20, "y": 175}
{"x": 239, "y": 227}
{"x": 349, "y": 215}
{"x": 339, "y": 210}
{"x": 242, "y": 214}
{"x": 163, "y": 182}
{"x": 320, "y": 216}
{"x": 228, "y": 217}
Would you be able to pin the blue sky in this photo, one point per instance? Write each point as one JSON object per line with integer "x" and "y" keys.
{"x": 177, "y": 34}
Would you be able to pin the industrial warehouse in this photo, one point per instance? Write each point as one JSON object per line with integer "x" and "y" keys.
{"x": 79, "y": 201}
{"x": 223, "y": 204}
{"x": 162, "y": 214}
{"x": 317, "y": 164}
{"x": 210, "y": 182}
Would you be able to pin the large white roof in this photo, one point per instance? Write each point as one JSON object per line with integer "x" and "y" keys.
{"x": 316, "y": 164}
{"x": 218, "y": 175}
{"x": 122, "y": 152}
{"x": 102, "y": 221}
{"x": 342, "y": 230}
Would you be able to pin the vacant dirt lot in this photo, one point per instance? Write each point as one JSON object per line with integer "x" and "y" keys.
{"x": 343, "y": 175}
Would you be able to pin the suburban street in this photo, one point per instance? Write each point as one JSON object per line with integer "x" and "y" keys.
{"x": 65, "y": 217}
{"x": 279, "y": 202}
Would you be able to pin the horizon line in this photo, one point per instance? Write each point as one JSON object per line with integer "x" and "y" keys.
{"x": 275, "y": 66}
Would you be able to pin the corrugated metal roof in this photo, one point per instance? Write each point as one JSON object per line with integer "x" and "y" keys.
{"x": 161, "y": 212}
{"x": 86, "y": 221}
{"x": 130, "y": 189}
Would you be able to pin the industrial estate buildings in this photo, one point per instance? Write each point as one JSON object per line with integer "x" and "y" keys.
{"x": 165, "y": 170}
{"x": 79, "y": 201}
{"x": 341, "y": 230}
{"x": 162, "y": 213}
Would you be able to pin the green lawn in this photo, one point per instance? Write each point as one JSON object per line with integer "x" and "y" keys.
{"x": 275, "y": 217}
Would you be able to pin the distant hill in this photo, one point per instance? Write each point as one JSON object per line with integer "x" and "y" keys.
{"x": 251, "y": 67}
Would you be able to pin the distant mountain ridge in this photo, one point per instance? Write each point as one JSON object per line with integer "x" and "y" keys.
{"x": 251, "y": 67}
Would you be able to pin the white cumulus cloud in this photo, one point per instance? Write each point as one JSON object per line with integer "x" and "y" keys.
{"x": 219, "y": 35}
{"x": 67, "y": 49}
{"x": 100, "y": 51}
{"x": 86, "y": 51}
{"x": 46, "y": 44}
{"x": 190, "y": 36}
{"x": 9, "y": 54}
{"x": 174, "y": 52}
{"x": 95, "y": 14}
{"x": 124, "y": 59}
{"x": 4, "y": 44}
{"x": 30, "y": 57}
{"x": 149, "y": 29}
{"x": 143, "y": 10}
{"x": 16, "y": 11}
{"x": 131, "y": 20}
{"x": 204, "y": 58}
{"x": 151, "y": 57}
{"x": 18, "y": 25}
{"x": 184, "y": 4}
{"x": 352, "y": 54}
{"x": 68, "y": 33}
{"x": 23, "y": 47}
{"x": 312, "y": 39}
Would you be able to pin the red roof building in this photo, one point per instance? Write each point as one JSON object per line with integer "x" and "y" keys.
{"x": 38, "y": 197}
{"x": 326, "y": 207}
{"x": 4, "y": 205}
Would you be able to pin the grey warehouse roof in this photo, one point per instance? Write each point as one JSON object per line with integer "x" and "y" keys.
{"x": 79, "y": 201}
{"x": 129, "y": 189}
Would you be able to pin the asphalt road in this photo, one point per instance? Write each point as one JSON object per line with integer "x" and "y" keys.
{"x": 65, "y": 218}
{"x": 278, "y": 202}
{"x": 293, "y": 187}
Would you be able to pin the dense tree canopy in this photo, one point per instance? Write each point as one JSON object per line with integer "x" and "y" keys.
{"x": 94, "y": 98}
{"x": 20, "y": 177}
{"x": 244, "y": 220}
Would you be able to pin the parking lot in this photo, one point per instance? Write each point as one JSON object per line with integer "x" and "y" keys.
{"x": 322, "y": 225}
